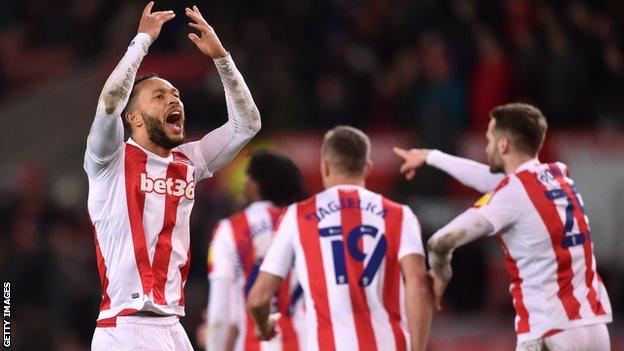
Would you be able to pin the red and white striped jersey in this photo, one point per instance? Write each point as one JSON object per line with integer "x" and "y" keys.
{"x": 140, "y": 205}
{"x": 347, "y": 243}
{"x": 238, "y": 247}
{"x": 544, "y": 232}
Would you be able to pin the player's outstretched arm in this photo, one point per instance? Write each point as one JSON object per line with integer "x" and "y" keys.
{"x": 465, "y": 228}
{"x": 222, "y": 144}
{"x": 418, "y": 300}
{"x": 468, "y": 172}
{"x": 107, "y": 133}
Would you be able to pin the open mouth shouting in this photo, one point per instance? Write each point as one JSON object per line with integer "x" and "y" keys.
{"x": 175, "y": 121}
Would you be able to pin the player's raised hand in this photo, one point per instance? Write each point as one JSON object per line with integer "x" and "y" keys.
{"x": 413, "y": 158}
{"x": 208, "y": 43}
{"x": 151, "y": 23}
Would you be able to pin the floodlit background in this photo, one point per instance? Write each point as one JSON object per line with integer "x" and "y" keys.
{"x": 410, "y": 73}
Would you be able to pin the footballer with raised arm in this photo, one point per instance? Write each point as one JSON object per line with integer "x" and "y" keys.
{"x": 141, "y": 191}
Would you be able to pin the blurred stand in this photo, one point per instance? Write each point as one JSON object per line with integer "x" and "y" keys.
{"x": 411, "y": 73}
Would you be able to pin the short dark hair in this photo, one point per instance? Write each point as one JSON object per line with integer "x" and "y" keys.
{"x": 277, "y": 176}
{"x": 525, "y": 124}
{"x": 347, "y": 149}
{"x": 133, "y": 95}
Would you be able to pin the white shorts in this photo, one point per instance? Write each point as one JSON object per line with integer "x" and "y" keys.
{"x": 588, "y": 338}
{"x": 142, "y": 333}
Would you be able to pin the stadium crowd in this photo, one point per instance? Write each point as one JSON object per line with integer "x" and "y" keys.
{"x": 433, "y": 68}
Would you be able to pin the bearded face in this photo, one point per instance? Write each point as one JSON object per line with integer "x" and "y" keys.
{"x": 162, "y": 112}
{"x": 158, "y": 135}
{"x": 495, "y": 161}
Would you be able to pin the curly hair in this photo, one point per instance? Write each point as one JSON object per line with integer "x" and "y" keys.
{"x": 277, "y": 176}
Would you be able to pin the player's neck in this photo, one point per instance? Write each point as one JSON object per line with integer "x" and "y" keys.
{"x": 338, "y": 180}
{"x": 515, "y": 161}
{"x": 147, "y": 144}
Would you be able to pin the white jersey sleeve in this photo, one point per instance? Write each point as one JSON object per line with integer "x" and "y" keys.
{"x": 411, "y": 237}
{"x": 220, "y": 146}
{"x": 222, "y": 253}
{"x": 468, "y": 172}
{"x": 220, "y": 313}
{"x": 221, "y": 256}
{"x": 105, "y": 138}
{"x": 503, "y": 208}
{"x": 278, "y": 260}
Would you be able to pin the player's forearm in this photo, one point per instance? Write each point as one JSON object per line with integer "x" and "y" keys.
{"x": 259, "y": 299}
{"x": 118, "y": 86}
{"x": 107, "y": 129}
{"x": 440, "y": 248}
{"x": 242, "y": 110}
{"x": 468, "y": 172}
{"x": 222, "y": 144}
{"x": 260, "y": 311}
{"x": 465, "y": 228}
{"x": 419, "y": 311}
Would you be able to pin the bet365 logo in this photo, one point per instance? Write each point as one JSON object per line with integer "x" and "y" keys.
{"x": 170, "y": 186}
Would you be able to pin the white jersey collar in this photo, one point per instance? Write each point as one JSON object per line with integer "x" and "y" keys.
{"x": 260, "y": 204}
{"x": 134, "y": 143}
{"x": 346, "y": 186}
{"x": 530, "y": 164}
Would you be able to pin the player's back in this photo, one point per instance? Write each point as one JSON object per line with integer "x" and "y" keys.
{"x": 347, "y": 259}
{"x": 249, "y": 235}
{"x": 548, "y": 251}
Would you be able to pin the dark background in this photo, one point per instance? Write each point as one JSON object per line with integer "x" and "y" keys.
{"x": 415, "y": 73}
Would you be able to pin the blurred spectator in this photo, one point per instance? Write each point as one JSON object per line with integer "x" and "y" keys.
{"x": 564, "y": 84}
{"x": 490, "y": 82}
{"x": 430, "y": 68}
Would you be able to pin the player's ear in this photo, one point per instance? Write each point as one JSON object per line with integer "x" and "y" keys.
{"x": 368, "y": 169}
{"x": 324, "y": 168}
{"x": 503, "y": 145}
{"x": 134, "y": 119}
